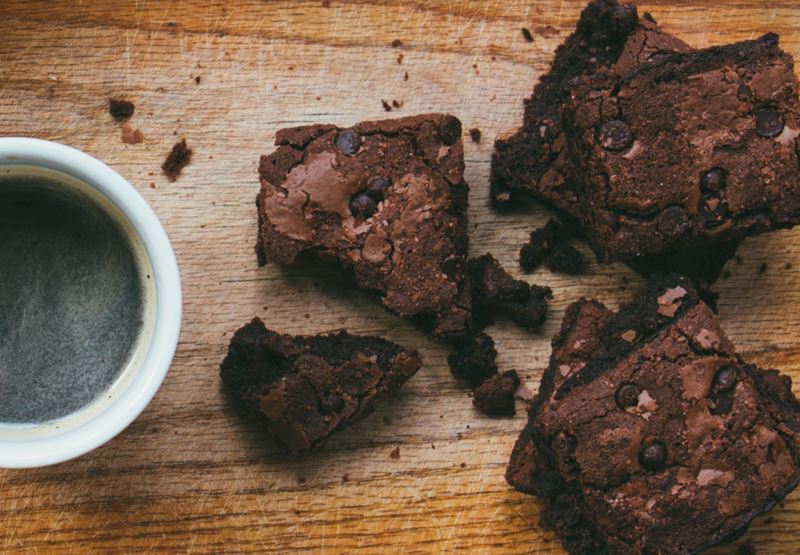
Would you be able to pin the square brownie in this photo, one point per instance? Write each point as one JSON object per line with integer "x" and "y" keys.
{"x": 386, "y": 200}
{"x": 650, "y": 434}
{"x": 609, "y": 36}
{"x": 688, "y": 150}
{"x": 308, "y": 387}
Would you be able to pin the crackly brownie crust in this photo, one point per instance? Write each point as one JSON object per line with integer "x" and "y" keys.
{"x": 687, "y": 150}
{"x": 650, "y": 434}
{"x": 609, "y": 34}
{"x": 385, "y": 199}
{"x": 308, "y": 387}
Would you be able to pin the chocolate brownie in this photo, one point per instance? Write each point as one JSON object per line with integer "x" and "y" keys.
{"x": 608, "y": 35}
{"x": 650, "y": 434}
{"x": 473, "y": 359}
{"x": 541, "y": 243}
{"x": 308, "y": 387}
{"x": 386, "y": 200}
{"x": 494, "y": 291}
{"x": 178, "y": 158}
{"x": 495, "y": 396}
{"x": 687, "y": 150}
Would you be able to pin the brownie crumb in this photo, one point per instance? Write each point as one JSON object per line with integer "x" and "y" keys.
{"x": 397, "y": 103}
{"x": 541, "y": 242}
{"x": 405, "y": 76}
{"x": 345, "y": 478}
{"x": 152, "y": 184}
{"x": 787, "y": 266}
{"x": 565, "y": 259}
{"x": 474, "y": 359}
{"x": 120, "y": 110}
{"x": 400, "y": 58}
{"x": 495, "y": 397}
{"x": 131, "y": 136}
{"x": 762, "y": 268}
{"x": 177, "y": 159}
{"x": 527, "y": 35}
{"x": 395, "y": 454}
{"x": 494, "y": 290}
{"x": 386, "y": 106}
{"x": 463, "y": 465}
{"x": 197, "y": 80}
{"x": 397, "y": 43}
{"x": 475, "y": 134}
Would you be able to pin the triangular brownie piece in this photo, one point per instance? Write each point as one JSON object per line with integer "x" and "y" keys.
{"x": 386, "y": 200}
{"x": 650, "y": 434}
{"x": 308, "y": 387}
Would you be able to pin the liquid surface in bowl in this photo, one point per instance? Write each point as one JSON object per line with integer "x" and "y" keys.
{"x": 72, "y": 299}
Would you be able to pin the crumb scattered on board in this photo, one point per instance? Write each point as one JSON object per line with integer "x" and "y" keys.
{"x": 475, "y": 135}
{"x": 397, "y": 43}
{"x": 395, "y": 454}
{"x": 177, "y": 159}
{"x": 527, "y": 35}
{"x": 131, "y": 136}
{"x": 120, "y": 110}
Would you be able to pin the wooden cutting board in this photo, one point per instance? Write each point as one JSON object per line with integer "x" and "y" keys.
{"x": 191, "y": 475}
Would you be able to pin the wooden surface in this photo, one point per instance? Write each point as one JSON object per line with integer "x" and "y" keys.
{"x": 190, "y": 475}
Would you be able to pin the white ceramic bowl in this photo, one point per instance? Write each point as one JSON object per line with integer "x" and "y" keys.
{"x": 32, "y": 445}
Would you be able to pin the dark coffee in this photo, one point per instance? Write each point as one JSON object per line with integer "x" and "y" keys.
{"x": 72, "y": 299}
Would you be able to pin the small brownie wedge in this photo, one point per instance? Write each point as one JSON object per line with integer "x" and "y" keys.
{"x": 308, "y": 387}
{"x": 650, "y": 434}
{"x": 387, "y": 201}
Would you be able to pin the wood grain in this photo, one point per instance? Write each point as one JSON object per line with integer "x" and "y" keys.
{"x": 191, "y": 475}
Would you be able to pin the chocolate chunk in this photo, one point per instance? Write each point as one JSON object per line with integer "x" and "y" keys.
{"x": 672, "y": 221}
{"x": 713, "y": 180}
{"x": 627, "y": 395}
{"x": 565, "y": 259}
{"x": 769, "y": 123}
{"x": 474, "y": 359}
{"x": 120, "y": 110}
{"x": 495, "y": 397}
{"x": 348, "y": 142}
{"x": 450, "y": 130}
{"x": 653, "y": 457}
{"x": 724, "y": 380}
{"x": 362, "y": 206}
{"x": 377, "y": 186}
{"x": 615, "y": 135}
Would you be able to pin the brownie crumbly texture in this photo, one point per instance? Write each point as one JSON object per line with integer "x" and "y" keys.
{"x": 494, "y": 291}
{"x": 495, "y": 397}
{"x": 540, "y": 245}
{"x": 473, "y": 359}
{"x": 120, "y": 110}
{"x": 650, "y": 434}
{"x": 308, "y": 387}
{"x": 177, "y": 159}
{"x": 386, "y": 200}
{"x": 687, "y": 150}
{"x": 609, "y": 35}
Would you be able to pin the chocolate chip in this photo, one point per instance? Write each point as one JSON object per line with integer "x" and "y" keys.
{"x": 769, "y": 123}
{"x": 713, "y": 209}
{"x": 627, "y": 395}
{"x": 450, "y": 130}
{"x": 724, "y": 380}
{"x": 348, "y": 142}
{"x": 713, "y": 180}
{"x": 363, "y": 206}
{"x": 624, "y": 18}
{"x": 654, "y": 456}
{"x": 331, "y": 403}
{"x": 615, "y": 135}
{"x": 377, "y": 187}
{"x": 673, "y": 220}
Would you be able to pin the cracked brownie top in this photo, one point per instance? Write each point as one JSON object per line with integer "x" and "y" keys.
{"x": 687, "y": 150}
{"x": 387, "y": 200}
{"x": 650, "y": 434}
{"x": 608, "y": 35}
{"x": 308, "y": 387}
